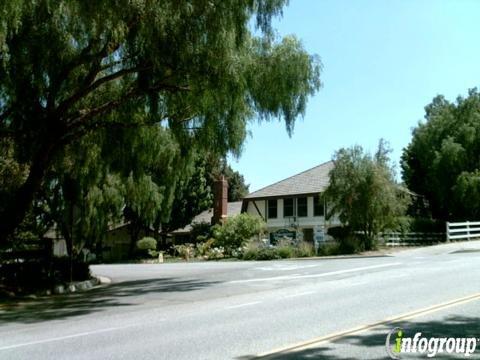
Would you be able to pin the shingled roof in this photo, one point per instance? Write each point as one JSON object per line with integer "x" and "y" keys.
{"x": 310, "y": 181}
{"x": 233, "y": 208}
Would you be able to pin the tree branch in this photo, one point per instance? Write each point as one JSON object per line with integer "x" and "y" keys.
{"x": 95, "y": 85}
{"x": 80, "y": 124}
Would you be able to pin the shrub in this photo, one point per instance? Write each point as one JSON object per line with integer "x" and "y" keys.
{"x": 215, "y": 253}
{"x": 305, "y": 249}
{"x": 256, "y": 250}
{"x": 147, "y": 245}
{"x": 249, "y": 254}
{"x": 201, "y": 232}
{"x": 267, "y": 254}
{"x": 285, "y": 252}
{"x": 285, "y": 249}
{"x": 339, "y": 232}
{"x": 349, "y": 245}
{"x": 185, "y": 251}
{"x": 409, "y": 224}
{"x": 346, "y": 246}
{"x": 329, "y": 249}
{"x": 236, "y": 231}
{"x": 347, "y": 241}
{"x": 403, "y": 224}
{"x": 250, "y": 250}
{"x": 203, "y": 248}
{"x": 34, "y": 275}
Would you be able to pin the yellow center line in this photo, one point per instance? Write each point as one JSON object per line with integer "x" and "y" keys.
{"x": 316, "y": 341}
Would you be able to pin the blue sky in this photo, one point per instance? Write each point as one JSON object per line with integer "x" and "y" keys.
{"x": 383, "y": 61}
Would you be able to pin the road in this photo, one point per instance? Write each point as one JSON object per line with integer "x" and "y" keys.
{"x": 295, "y": 309}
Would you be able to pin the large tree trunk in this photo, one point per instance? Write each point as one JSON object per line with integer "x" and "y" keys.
{"x": 21, "y": 202}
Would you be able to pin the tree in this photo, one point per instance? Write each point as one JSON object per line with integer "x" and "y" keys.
{"x": 363, "y": 193}
{"x": 192, "y": 67}
{"x": 216, "y": 167}
{"x": 441, "y": 163}
{"x": 237, "y": 189}
{"x": 193, "y": 195}
{"x": 237, "y": 231}
{"x": 194, "y": 191}
{"x": 97, "y": 185}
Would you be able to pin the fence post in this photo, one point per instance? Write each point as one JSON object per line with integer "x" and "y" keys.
{"x": 448, "y": 231}
{"x": 468, "y": 230}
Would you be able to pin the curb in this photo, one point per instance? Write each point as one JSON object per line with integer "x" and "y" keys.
{"x": 63, "y": 289}
{"x": 339, "y": 257}
{"x": 103, "y": 280}
{"x": 76, "y": 287}
{"x": 95, "y": 282}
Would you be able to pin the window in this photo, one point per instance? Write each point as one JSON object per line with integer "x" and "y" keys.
{"x": 272, "y": 209}
{"x": 288, "y": 207}
{"x": 302, "y": 208}
{"x": 318, "y": 209}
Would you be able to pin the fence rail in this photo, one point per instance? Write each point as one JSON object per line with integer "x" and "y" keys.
{"x": 463, "y": 230}
{"x": 411, "y": 238}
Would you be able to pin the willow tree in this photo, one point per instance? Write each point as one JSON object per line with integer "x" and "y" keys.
{"x": 95, "y": 184}
{"x": 363, "y": 193}
{"x": 199, "y": 68}
{"x": 442, "y": 161}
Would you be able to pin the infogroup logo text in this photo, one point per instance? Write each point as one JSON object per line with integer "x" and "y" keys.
{"x": 397, "y": 343}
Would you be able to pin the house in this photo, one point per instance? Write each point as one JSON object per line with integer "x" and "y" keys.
{"x": 294, "y": 207}
{"x": 118, "y": 240}
{"x": 205, "y": 217}
{"x": 115, "y": 244}
{"x": 222, "y": 209}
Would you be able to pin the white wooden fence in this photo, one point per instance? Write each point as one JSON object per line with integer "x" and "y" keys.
{"x": 411, "y": 238}
{"x": 463, "y": 230}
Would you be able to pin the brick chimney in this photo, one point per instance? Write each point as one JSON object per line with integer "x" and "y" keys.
{"x": 220, "y": 200}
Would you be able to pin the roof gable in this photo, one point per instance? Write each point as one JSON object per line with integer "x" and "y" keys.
{"x": 314, "y": 180}
{"x": 233, "y": 209}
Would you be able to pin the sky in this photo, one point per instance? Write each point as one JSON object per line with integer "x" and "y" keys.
{"x": 383, "y": 62}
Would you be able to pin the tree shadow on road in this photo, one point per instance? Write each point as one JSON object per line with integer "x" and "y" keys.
{"x": 98, "y": 299}
{"x": 371, "y": 345}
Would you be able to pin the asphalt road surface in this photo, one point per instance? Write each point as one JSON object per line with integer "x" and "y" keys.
{"x": 298, "y": 309}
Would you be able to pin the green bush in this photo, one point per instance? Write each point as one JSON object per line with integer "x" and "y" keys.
{"x": 304, "y": 249}
{"x": 34, "y": 275}
{"x": 202, "y": 248}
{"x": 285, "y": 249}
{"x": 339, "y": 232}
{"x": 350, "y": 245}
{"x": 249, "y": 254}
{"x": 250, "y": 250}
{"x": 215, "y": 253}
{"x": 347, "y": 242}
{"x": 255, "y": 250}
{"x": 185, "y": 251}
{"x": 147, "y": 243}
{"x": 237, "y": 231}
{"x": 427, "y": 225}
{"x": 147, "y": 246}
{"x": 285, "y": 252}
{"x": 329, "y": 249}
{"x": 201, "y": 232}
{"x": 403, "y": 224}
{"x": 346, "y": 246}
{"x": 267, "y": 254}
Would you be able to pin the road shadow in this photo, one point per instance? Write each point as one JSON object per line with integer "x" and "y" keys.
{"x": 371, "y": 345}
{"x": 97, "y": 299}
